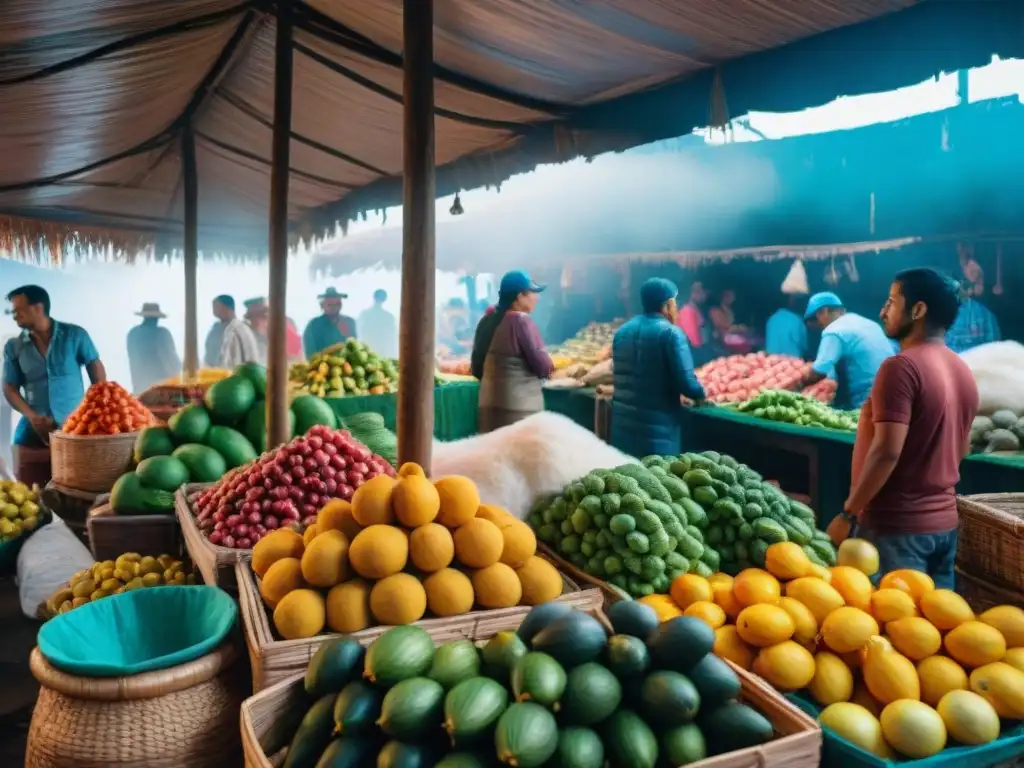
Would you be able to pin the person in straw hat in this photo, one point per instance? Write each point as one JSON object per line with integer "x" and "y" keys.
{"x": 331, "y": 327}
{"x": 152, "y": 355}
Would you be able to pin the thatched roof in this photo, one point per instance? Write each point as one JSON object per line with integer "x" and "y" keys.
{"x": 96, "y": 93}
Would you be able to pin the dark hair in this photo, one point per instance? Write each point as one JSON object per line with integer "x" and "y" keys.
{"x": 226, "y": 300}
{"x": 380, "y": 295}
{"x": 933, "y": 289}
{"x": 486, "y": 328}
{"x": 33, "y": 294}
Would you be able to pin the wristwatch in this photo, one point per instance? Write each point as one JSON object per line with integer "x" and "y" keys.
{"x": 851, "y": 519}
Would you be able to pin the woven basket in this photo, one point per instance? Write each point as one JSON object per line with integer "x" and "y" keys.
{"x": 90, "y": 463}
{"x": 610, "y": 592}
{"x": 991, "y": 538}
{"x": 215, "y": 563}
{"x": 112, "y": 535}
{"x": 183, "y": 716}
{"x": 273, "y": 659}
{"x": 982, "y": 592}
{"x": 268, "y": 723}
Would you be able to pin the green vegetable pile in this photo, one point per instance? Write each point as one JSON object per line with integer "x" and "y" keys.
{"x": 639, "y": 526}
{"x": 370, "y": 430}
{"x": 201, "y": 442}
{"x": 794, "y": 408}
{"x": 1002, "y": 431}
{"x": 557, "y": 692}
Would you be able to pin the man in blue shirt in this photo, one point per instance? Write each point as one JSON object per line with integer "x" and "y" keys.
{"x": 43, "y": 367}
{"x": 331, "y": 327}
{"x": 852, "y": 349}
{"x": 974, "y": 325}
{"x": 786, "y": 331}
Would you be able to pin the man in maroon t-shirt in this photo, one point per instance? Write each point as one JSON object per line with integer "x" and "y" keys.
{"x": 914, "y": 430}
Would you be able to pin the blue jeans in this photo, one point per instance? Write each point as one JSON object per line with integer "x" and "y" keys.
{"x": 932, "y": 553}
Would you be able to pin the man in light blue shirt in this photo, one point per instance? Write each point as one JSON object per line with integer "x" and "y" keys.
{"x": 852, "y": 349}
{"x": 43, "y": 367}
{"x": 786, "y": 332}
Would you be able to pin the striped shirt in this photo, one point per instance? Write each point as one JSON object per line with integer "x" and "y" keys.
{"x": 239, "y": 345}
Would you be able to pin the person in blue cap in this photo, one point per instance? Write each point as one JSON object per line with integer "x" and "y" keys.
{"x": 652, "y": 369}
{"x": 331, "y": 327}
{"x": 509, "y": 357}
{"x": 851, "y": 351}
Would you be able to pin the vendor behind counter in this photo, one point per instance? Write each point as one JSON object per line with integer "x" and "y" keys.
{"x": 509, "y": 357}
{"x": 852, "y": 349}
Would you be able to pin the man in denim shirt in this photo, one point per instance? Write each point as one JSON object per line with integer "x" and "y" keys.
{"x": 43, "y": 367}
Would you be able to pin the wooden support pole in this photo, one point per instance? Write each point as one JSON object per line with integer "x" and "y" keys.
{"x": 416, "y": 323}
{"x": 278, "y": 425}
{"x": 190, "y": 190}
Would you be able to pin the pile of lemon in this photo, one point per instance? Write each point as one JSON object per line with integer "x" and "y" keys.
{"x": 112, "y": 577}
{"x": 902, "y": 669}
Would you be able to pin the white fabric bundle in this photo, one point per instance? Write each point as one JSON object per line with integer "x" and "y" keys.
{"x": 50, "y": 557}
{"x": 998, "y": 368}
{"x": 515, "y": 465}
{"x": 796, "y": 280}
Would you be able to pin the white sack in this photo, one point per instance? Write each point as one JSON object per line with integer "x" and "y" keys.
{"x": 515, "y": 465}
{"x": 998, "y": 368}
{"x": 50, "y": 557}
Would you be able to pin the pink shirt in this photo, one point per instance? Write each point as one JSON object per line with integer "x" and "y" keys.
{"x": 692, "y": 322}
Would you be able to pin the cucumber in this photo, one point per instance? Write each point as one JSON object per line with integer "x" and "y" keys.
{"x": 526, "y": 736}
{"x": 591, "y": 694}
{"x": 313, "y": 735}
{"x": 629, "y": 741}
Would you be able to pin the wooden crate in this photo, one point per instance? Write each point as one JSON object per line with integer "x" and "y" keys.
{"x": 797, "y": 742}
{"x": 111, "y": 535}
{"x": 215, "y": 563}
{"x": 273, "y": 659}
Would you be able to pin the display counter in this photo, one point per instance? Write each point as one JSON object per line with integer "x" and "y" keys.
{"x": 817, "y": 461}
{"x": 455, "y": 408}
{"x": 804, "y": 460}
{"x": 577, "y": 404}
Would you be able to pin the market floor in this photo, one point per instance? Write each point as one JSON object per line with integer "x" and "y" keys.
{"x": 18, "y": 688}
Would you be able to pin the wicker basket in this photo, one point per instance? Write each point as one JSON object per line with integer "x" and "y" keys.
{"x": 183, "y": 716}
{"x": 610, "y": 592}
{"x": 111, "y": 535}
{"x": 90, "y": 463}
{"x": 273, "y": 660}
{"x": 991, "y": 540}
{"x": 266, "y": 718}
{"x": 215, "y": 563}
{"x": 982, "y": 592}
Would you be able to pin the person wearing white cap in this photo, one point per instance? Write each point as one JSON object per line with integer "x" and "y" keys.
{"x": 152, "y": 356}
{"x": 852, "y": 349}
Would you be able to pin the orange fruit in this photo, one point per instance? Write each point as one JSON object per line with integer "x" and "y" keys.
{"x": 754, "y": 586}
